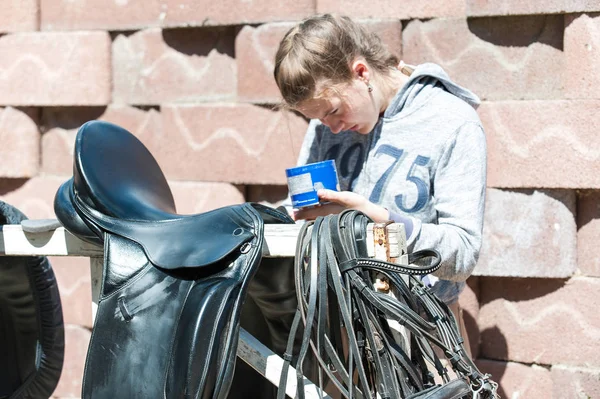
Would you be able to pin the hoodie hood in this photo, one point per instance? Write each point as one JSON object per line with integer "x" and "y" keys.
{"x": 423, "y": 83}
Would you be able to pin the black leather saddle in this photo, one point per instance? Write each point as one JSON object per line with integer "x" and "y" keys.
{"x": 173, "y": 285}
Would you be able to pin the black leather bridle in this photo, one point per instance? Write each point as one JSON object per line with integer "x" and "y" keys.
{"x": 345, "y": 320}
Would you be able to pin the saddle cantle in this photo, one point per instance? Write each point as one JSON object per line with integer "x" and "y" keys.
{"x": 173, "y": 285}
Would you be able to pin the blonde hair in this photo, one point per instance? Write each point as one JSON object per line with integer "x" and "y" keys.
{"x": 321, "y": 49}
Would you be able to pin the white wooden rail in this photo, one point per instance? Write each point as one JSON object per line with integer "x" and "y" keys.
{"x": 280, "y": 241}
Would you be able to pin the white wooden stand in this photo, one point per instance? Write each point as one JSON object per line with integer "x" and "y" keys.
{"x": 280, "y": 241}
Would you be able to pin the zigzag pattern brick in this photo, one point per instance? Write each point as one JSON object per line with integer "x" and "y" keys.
{"x": 222, "y": 143}
{"x": 406, "y": 9}
{"x": 575, "y": 382}
{"x": 541, "y": 321}
{"x": 241, "y": 144}
{"x": 497, "y": 58}
{"x": 136, "y": 14}
{"x": 517, "y": 7}
{"x": 552, "y": 144}
{"x": 526, "y": 230}
{"x": 155, "y": 66}
{"x": 21, "y": 142}
{"x": 19, "y": 16}
{"x": 49, "y": 69}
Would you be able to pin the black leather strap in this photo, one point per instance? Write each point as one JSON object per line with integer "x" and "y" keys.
{"x": 345, "y": 319}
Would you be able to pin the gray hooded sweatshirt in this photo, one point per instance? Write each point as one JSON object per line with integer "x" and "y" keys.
{"x": 425, "y": 161}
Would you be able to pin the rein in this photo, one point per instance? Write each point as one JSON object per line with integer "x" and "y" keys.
{"x": 345, "y": 321}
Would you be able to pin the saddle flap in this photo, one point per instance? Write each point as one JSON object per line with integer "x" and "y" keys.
{"x": 187, "y": 242}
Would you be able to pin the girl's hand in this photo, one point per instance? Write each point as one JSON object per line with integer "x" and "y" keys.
{"x": 340, "y": 200}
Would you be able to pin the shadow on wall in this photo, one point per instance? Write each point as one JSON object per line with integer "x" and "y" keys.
{"x": 9, "y": 185}
{"x": 496, "y": 369}
{"x": 201, "y": 41}
{"x": 520, "y": 31}
{"x": 508, "y": 313}
{"x": 470, "y": 302}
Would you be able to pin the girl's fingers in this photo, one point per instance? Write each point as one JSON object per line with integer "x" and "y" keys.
{"x": 334, "y": 196}
{"x": 324, "y": 194}
{"x": 347, "y": 199}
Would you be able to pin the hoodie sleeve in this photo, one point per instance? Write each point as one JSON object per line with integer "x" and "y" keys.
{"x": 459, "y": 195}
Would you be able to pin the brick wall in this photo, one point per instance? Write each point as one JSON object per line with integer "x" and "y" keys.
{"x": 192, "y": 79}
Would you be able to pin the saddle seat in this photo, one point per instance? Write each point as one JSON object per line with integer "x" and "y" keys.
{"x": 118, "y": 184}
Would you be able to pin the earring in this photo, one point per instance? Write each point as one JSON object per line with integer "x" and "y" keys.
{"x": 369, "y": 87}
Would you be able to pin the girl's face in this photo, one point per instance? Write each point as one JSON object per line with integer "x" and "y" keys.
{"x": 350, "y": 107}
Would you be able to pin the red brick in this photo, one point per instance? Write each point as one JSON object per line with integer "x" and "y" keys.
{"x": 20, "y": 140}
{"x": 19, "y": 15}
{"x": 542, "y": 321}
{"x": 33, "y": 197}
{"x": 135, "y": 14}
{"x": 208, "y": 12}
{"x": 497, "y": 58}
{"x": 552, "y": 144}
{"x": 197, "y": 197}
{"x": 100, "y": 14}
{"x": 407, "y": 9}
{"x": 582, "y": 53}
{"x": 525, "y": 230}
{"x": 255, "y": 50}
{"x": 518, "y": 7}
{"x": 519, "y": 380}
{"x": 74, "y": 283}
{"x": 228, "y": 143}
{"x": 180, "y": 65}
{"x": 588, "y": 225}
{"x": 390, "y": 32}
{"x": 55, "y": 68}
{"x": 76, "y": 343}
{"x": 572, "y": 382}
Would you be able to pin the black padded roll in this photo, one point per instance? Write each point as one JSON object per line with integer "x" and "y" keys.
{"x": 32, "y": 338}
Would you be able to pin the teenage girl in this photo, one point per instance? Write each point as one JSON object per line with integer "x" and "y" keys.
{"x": 408, "y": 144}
